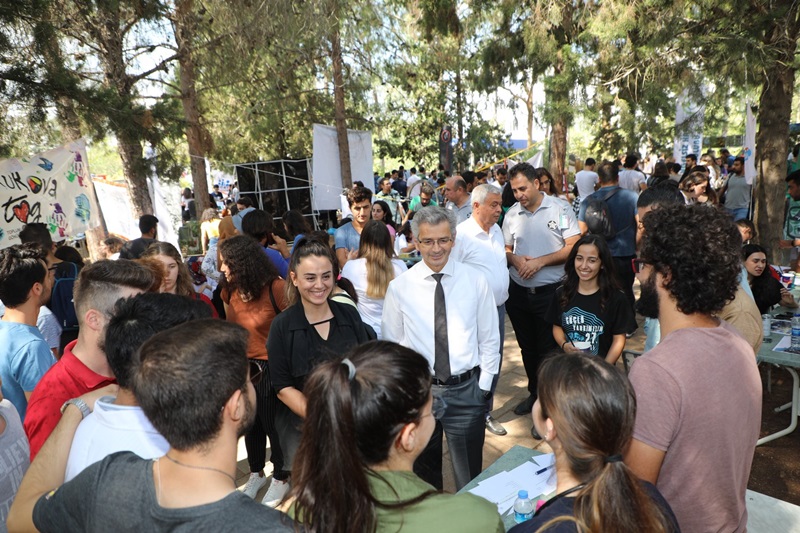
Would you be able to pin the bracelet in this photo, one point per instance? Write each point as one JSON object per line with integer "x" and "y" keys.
{"x": 562, "y": 344}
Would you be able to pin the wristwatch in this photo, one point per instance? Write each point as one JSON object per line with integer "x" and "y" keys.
{"x": 80, "y": 404}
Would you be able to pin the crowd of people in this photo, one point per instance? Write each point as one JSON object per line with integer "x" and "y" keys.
{"x": 352, "y": 357}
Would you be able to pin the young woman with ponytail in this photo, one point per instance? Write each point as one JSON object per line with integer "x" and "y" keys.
{"x": 586, "y": 410}
{"x": 368, "y": 418}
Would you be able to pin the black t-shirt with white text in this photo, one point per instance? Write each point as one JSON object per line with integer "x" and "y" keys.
{"x": 589, "y": 327}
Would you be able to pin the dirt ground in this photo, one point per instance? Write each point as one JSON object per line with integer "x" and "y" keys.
{"x": 776, "y": 465}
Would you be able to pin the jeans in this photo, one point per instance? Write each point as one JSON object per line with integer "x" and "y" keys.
{"x": 652, "y": 328}
{"x": 739, "y": 213}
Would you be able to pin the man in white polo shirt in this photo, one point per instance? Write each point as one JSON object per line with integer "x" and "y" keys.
{"x": 479, "y": 243}
{"x": 538, "y": 236}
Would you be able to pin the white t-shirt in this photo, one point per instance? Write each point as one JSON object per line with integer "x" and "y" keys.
{"x": 370, "y": 309}
{"x": 14, "y": 458}
{"x": 585, "y": 180}
{"x": 631, "y": 179}
{"x": 112, "y": 428}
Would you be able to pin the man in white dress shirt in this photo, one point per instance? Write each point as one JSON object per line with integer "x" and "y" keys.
{"x": 465, "y": 367}
{"x": 480, "y": 244}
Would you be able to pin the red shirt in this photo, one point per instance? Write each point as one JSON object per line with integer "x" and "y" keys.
{"x": 68, "y": 378}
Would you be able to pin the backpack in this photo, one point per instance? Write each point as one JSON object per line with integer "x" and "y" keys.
{"x": 61, "y": 302}
{"x": 598, "y": 215}
{"x": 792, "y": 217}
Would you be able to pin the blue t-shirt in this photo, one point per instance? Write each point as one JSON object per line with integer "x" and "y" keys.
{"x": 24, "y": 359}
{"x": 622, "y": 207}
{"x": 277, "y": 259}
{"x": 347, "y": 237}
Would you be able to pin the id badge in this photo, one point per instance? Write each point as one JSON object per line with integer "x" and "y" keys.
{"x": 563, "y": 221}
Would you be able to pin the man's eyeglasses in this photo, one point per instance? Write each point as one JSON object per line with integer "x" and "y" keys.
{"x": 255, "y": 373}
{"x": 637, "y": 264}
{"x": 441, "y": 242}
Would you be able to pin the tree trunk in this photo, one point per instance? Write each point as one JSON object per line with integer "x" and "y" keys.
{"x": 197, "y": 136}
{"x": 529, "y": 110}
{"x": 460, "y": 119}
{"x": 338, "y": 107}
{"x": 558, "y": 100}
{"x": 772, "y": 139}
{"x": 130, "y": 151}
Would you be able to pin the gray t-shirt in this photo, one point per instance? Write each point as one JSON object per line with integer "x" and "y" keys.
{"x": 537, "y": 234}
{"x": 118, "y": 494}
{"x": 738, "y": 195}
{"x": 14, "y": 458}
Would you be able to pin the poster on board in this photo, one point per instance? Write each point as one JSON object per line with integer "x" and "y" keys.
{"x": 53, "y": 187}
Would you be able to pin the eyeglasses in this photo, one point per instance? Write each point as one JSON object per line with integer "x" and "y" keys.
{"x": 256, "y": 373}
{"x": 637, "y": 264}
{"x": 430, "y": 242}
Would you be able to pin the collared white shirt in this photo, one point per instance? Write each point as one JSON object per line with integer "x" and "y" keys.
{"x": 540, "y": 233}
{"x": 472, "y": 330}
{"x": 112, "y": 428}
{"x": 485, "y": 252}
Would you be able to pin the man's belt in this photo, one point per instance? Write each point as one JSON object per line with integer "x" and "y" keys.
{"x": 455, "y": 380}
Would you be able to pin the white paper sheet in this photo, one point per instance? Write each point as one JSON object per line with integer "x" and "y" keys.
{"x": 537, "y": 476}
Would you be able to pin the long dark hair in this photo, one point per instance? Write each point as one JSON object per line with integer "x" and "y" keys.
{"x": 607, "y": 279}
{"x": 593, "y": 409}
{"x": 296, "y": 224}
{"x": 251, "y": 270}
{"x": 350, "y": 426}
{"x": 387, "y": 214}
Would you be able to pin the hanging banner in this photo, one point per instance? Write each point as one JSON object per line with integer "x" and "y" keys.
{"x": 52, "y": 187}
{"x": 749, "y": 145}
{"x": 689, "y": 118}
{"x": 327, "y": 170}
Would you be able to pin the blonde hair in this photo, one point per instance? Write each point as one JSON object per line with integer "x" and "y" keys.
{"x": 376, "y": 248}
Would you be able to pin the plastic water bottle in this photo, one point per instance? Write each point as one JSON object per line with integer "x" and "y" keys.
{"x": 523, "y": 506}
{"x": 796, "y": 331}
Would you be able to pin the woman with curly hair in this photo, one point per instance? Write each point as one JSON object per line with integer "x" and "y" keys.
{"x": 177, "y": 278}
{"x": 586, "y": 411}
{"x": 254, "y": 294}
{"x": 589, "y": 312}
{"x": 372, "y": 271}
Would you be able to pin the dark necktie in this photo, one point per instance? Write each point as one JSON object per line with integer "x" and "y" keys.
{"x": 441, "y": 365}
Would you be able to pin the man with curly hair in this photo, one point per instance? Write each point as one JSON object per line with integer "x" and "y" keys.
{"x": 698, "y": 392}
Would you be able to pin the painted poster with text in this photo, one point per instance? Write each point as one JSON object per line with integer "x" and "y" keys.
{"x": 53, "y": 188}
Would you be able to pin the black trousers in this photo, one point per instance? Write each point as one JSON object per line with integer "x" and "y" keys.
{"x": 255, "y": 441}
{"x": 534, "y": 335}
